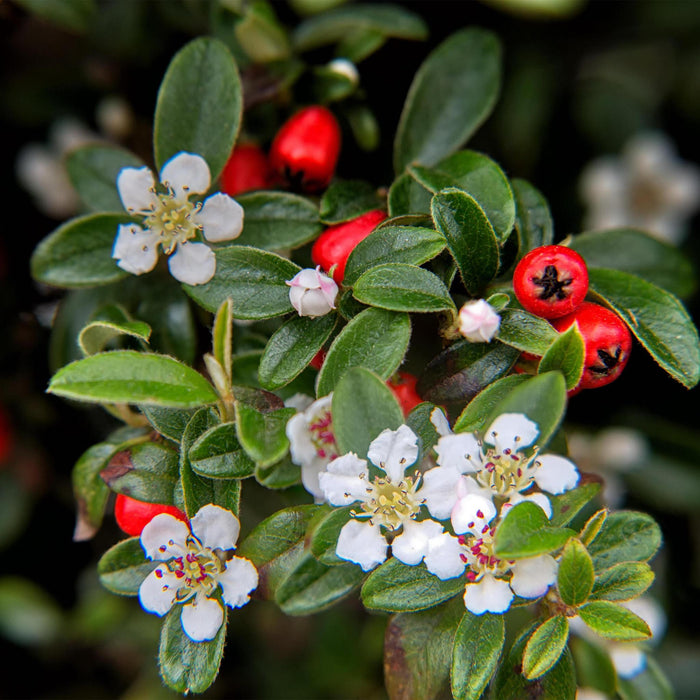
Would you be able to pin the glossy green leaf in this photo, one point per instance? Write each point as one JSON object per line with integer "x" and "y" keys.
{"x": 375, "y": 339}
{"x": 169, "y": 422}
{"x": 123, "y": 567}
{"x": 612, "y": 621}
{"x": 111, "y": 323}
{"x": 623, "y": 581}
{"x": 594, "y": 668}
{"x": 360, "y": 44}
{"x": 401, "y": 287}
{"x": 533, "y": 220}
{"x": 324, "y": 536}
{"x": 199, "y": 105}
{"x": 525, "y": 331}
{"x": 569, "y": 504}
{"x": 262, "y": 434}
{"x": 362, "y": 407}
{"x": 658, "y": 320}
{"x": 280, "y": 475}
{"x": 477, "y": 647}
{"x": 545, "y": 647}
{"x": 575, "y": 575}
{"x": 292, "y": 347}
{"x": 470, "y": 237}
{"x": 125, "y": 376}
{"x": 566, "y": 354}
{"x": 393, "y": 244}
{"x": 347, "y": 199}
{"x": 254, "y": 279}
{"x": 217, "y": 454}
{"x": 625, "y": 536}
{"x": 407, "y": 197}
{"x": 593, "y": 525}
{"x": 418, "y": 420}
{"x": 79, "y": 253}
{"x": 222, "y": 336}
{"x": 452, "y": 94}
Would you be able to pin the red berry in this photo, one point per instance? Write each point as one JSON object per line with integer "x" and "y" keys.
{"x": 132, "y": 515}
{"x": 318, "y": 359}
{"x": 247, "y": 169}
{"x": 305, "y": 150}
{"x": 334, "y": 245}
{"x": 608, "y": 343}
{"x": 551, "y": 281}
{"x": 403, "y": 386}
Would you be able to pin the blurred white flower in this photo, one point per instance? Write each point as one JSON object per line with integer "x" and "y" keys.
{"x": 114, "y": 117}
{"x": 346, "y": 68}
{"x": 478, "y": 321}
{"x": 312, "y": 293}
{"x": 647, "y": 187}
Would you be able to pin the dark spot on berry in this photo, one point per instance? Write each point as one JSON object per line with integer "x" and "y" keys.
{"x": 551, "y": 285}
{"x": 608, "y": 362}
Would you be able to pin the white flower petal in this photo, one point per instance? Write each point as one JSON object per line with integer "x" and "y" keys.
{"x": 238, "y": 581}
{"x": 478, "y": 321}
{"x": 164, "y": 537}
{"x": 341, "y": 483}
{"x": 192, "y": 263}
{"x": 603, "y": 181}
{"x": 533, "y": 576}
{"x": 299, "y": 402}
{"x": 310, "y": 302}
{"x": 539, "y": 498}
{"x": 468, "y": 486}
{"x": 555, "y": 474}
{"x": 362, "y": 543}
{"x": 201, "y": 618}
{"x": 136, "y": 187}
{"x": 135, "y": 249}
{"x": 221, "y": 218}
{"x": 186, "y": 174}
{"x": 444, "y": 557}
{"x": 412, "y": 544}
{"x": 488, "y": 595}
{"x": 460, "y": 451}
{"x": 310, "y": 473}
{"x": 511, "y": 431}
{"x": 439, "y": 421}
{"x": 215, "y": 527}
{"x": 158, "y": 590}
{"x": 439, "y": 491}
{"x": 472, "y": 513}
{"x": 627, "y": 659}
{"x": 301, "y": 449}
{"x": 394, "y": 451}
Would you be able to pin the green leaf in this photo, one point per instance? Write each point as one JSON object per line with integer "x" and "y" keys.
{"x": 358, "y": 45}
{"x": 29, "y": 616}
{"x": 147, "y": 471}
{"x": 199, "y": 105}
{"x": 125, "y": 376}
{"x": 566, "y": 354}
{"x": 593, "y": 525}
{"x": 473, "y": 417}
{"x": 113, "y": 322}
{"x": 452, "y": 94}
{"x": 477, "y": 648}
{"x": 478, "y": 176}
{"x": 254, "y": 279}
{"x": 335, "y": 25}
{"x": 280, "y": 475}
{"x": 124, "y": 566}
{"x": 650, "y": 684}
{"x": 347, "y": 200}
{"x": 393, "y": 244}
{"x": 396, "y": 587}
{"x": 292, "y": 347}
{"x": 658, "y": 320}
{"x": 418, "y": 652}
{"x": 545, "y": 647}
{"x": 418, "y": 420}
{"x": 533, "y": 220}
{"x": 470, "y": 237}
{"x": 524, "y": 331}
{"x": 594, "y": 668}
{"x": 169, "y": 422}
{"x": 623, "y": 581}
{"x": 525, "y": 532}
{"x": 278, "y": 220}
{"x": 90, "y": 492}
{"x": 79, "y": 253}
{"x": 73, "y": 15}
{"x": 612, "y": 621}
{"x": 217, "y": 454}
{"x": 640, "y": 254}
{"x": 407, "y": 197}
{"x": 625, "y": 536}
{"x": 575, "y": 575}
{"x": 401, "y": 287}
{"x": 262, "y": 434}
{"x": 222, "y": 337}
{"x": 375, "y": 339}
{"x": 324, "y": 537}
{"x": 187, "y": 666}
{"x": 260, "y": 34}
{"x": 362, "y": 407}
{"x": 568, "y": 505}
{"x": 93, "y": 171}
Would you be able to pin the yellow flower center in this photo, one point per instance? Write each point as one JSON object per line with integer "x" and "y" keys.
{"x": 392, "y": 504}
{"x": 172, "y": 220}
{"x": 197, "y": 570}
{"x": 507, "y": 472}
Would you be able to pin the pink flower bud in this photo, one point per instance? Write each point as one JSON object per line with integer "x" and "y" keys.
{"x": 478, "y": 322}
{"x": 312, "y": 293}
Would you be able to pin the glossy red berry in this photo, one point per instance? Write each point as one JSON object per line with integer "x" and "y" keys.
{"x": 334, "y": 245}
{"x": 318, "y": 359}
{"x": 305, "y": 150}
{"x": 403, "y": 386}
{"x": 132, "y": 515}
{"x": 246, "y": 169}
{"x": 607, "y": 340}
{"x": 551, "y": 281}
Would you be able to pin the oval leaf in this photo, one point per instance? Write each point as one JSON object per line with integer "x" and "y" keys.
{"x": 623, "y": 581}
{"x": 566, "y": 354}
{"x": 347, "y": 200}
{"x": 217, "y": 454}
{"x": 545, "y": 646}
{"x": 123, "y": 567}
{"x": 612, "y": 621}
{"x": 533, "y": 220}
{"x": 575, "y": 575}
{"x": 625, "y": 536}
{"x": 526, "y": 332}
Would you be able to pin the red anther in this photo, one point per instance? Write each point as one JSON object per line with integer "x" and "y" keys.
{"x": 159, "y": 573}
{"x": 480, "y": 514}
{"x": 551, "y": 281}
{"x": 247, "y": 169}
{"x": 403, "y": 386}
{"x": 334, "y": 245}
{"x": 471, "y": 576}
{"x": 179, "y": 573}
{"x": 463, "y": 557}
{"x": 485, "y": 529}
{"x": 132, "y": 515}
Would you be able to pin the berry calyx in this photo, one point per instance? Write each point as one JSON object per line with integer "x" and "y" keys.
{"x": 334, "y": 245}
{"x": 305, "y": 150}
{"x": 607, "y": 341}
{"x": 551, "y": 281}
{"x": 132, "y": 515}
{"x": 246, "y": 169}
{"x": 403, "y": 386}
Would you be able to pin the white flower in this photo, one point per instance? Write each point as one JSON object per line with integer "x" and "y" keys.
{"x": 346, "y": 68}
{"x": 388, "y": 503}
{"x": 648, "y": 187}
{"x": 172, "y": 222}
{"x": 478, "y": 321}
{"x": 312, "y": 293}
{"x": 312, "y": 442}
{"x": 195, "y": 564}
{"x": 499, "y": 466}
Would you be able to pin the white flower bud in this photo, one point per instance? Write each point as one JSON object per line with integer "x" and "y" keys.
{"x": 478, "y": 322}
{"x": 312, "y": 293}
{"x": 346, "y": 68}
